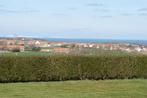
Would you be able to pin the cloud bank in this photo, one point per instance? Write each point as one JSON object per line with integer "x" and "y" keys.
{"x": 2, "y": 10}
{"x": 94, "y": 4}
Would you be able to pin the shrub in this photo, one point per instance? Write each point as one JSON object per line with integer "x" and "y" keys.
{"x": 16, "y": 50}
{"x": 56, "y": 68}
{"x": 34, "y": 48}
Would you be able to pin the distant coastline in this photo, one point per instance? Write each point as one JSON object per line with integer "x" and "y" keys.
{"x": 88, "y": 40}
{"x": 139, "y": 42}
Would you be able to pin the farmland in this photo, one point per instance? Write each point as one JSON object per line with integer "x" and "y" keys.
{"x": 85, "y": 52}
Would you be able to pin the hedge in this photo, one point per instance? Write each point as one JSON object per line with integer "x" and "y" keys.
{"x": 57, "y": 68}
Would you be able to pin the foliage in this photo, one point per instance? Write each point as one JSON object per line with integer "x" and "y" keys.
{"x": 16, "y": 50}
{"x": 68, "y": 67}
{"x": 34, "y": 48}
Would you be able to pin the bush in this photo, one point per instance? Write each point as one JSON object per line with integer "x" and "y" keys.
{"x": 56, "y": 68}
{"x": 34, "y": 48}
{"x": 16, "y": 50}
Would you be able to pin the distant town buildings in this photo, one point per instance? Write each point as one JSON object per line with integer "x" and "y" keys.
{"x": 31, "y": 44}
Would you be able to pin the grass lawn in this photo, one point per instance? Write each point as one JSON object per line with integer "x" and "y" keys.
{"x": 76, "y": 89}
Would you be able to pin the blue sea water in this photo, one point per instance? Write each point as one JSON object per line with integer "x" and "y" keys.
{"x": 139, "y": 42}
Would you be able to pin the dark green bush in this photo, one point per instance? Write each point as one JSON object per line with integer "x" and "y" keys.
{"x": 16, "y": 50}
{"x": 34, "y": 48}
{"x": 55, "y": 68}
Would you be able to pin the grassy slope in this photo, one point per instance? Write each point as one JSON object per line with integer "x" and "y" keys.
{"x": 76, "y": 89}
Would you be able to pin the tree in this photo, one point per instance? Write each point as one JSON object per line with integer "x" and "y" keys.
{"x": 34, "y": 48}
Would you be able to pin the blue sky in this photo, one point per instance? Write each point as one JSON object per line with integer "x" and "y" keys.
{"x": 112, "y": 19}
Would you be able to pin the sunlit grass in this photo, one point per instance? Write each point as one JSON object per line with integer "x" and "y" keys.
{"x": 76, "y": 89}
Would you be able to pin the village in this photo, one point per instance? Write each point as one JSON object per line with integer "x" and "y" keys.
{"x": 21, "y": 44}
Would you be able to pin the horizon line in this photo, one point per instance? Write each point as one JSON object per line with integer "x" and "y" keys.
{"x": 82, "y": 38}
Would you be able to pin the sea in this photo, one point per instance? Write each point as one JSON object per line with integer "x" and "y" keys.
{"x": 138, "y": 42}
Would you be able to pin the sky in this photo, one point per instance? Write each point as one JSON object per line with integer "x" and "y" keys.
{"x": 103, "y": 19}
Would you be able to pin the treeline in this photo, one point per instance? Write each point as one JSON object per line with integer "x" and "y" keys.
{"x": 56, "y": 68}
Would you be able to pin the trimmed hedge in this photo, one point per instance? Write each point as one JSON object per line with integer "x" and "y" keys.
{"x": 56, "y": 68}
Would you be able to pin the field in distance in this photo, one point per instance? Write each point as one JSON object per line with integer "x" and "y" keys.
{"x": 76, "y": 89}
{"x": 88, "y": 52}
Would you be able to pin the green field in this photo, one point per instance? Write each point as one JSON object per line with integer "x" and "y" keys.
{"x": 76, "y": 89}
{"x": 87, "y": 52}
{"x": 26, "y": 54}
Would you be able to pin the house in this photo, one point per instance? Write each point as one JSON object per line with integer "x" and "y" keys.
{"x": 12, "y": 47}
{"x": 138, "y": 49}
{"x": 22, "y": 47}
{"x": 45, "y": 50}
{"x": 91, "y": 45}
{"x": 128, "y": 50}
{"x": 61, "y": 50}
{"x": 37, "y": 42}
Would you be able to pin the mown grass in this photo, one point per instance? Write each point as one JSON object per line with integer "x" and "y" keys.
{"x": 76, "y": 89}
